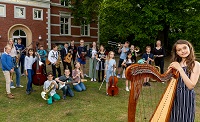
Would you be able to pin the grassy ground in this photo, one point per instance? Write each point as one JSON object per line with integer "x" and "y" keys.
{"x": 91, "y": 105}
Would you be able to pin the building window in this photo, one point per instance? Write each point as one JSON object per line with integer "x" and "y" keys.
{"x": 65, "y": 2}
{"x": 20, "y": 12}
{"x": 2, "y": 10}
{"x": 85, "y": 29}
{"x": 65, "y": 25}
{"x": 37, "y": 14}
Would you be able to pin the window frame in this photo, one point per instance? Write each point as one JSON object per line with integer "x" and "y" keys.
{"x": 83, "y": 32}
{"x": 15, "y": 8}
{"x": 4, "y": 11}
{"x": 34, "y": 9}
{"x": 65, "y": 3}
{"x": 69, "y": 25}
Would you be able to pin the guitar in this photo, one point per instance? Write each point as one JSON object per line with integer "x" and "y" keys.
{"x": 68, "y": 58}
{"x": 65, "y": 83}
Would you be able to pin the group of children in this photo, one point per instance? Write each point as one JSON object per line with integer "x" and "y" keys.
{"x": 183, "y": 60}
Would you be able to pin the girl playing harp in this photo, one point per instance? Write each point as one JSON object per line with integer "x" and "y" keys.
{"x": 178, "y": 101}
{"x": 183, "y": 60}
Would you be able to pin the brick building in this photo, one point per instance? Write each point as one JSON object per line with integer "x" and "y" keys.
{"x": 43, "y": 21}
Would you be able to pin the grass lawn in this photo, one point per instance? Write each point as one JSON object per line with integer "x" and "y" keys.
{"x": 91, "y": 105}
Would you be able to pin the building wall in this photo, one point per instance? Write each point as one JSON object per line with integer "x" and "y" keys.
{"x": 56, "y": 37}
{"x": 37, "y": 27}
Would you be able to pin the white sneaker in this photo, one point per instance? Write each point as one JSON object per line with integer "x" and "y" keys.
{"x": 127, "y": 89}
{"x": 95, "y": 79}
{"x": 20, "y": 86}
{"x": 86, "y": 75}
{"x": 12, "y": 87}
{"x": 118, "y": 76}
{"x": 92, "y": 79}
{"x": 23, "y": 74}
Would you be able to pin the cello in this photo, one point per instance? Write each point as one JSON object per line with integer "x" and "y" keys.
{"x": 113, "y": 89}
{"x": 39, "y": 76}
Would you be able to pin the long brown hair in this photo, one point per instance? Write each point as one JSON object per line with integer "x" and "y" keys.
{"x": 31, "y": 49}
{"x": 190, "y": 59}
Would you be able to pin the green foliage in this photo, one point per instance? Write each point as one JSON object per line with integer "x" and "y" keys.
{"x": 143, "y": 21}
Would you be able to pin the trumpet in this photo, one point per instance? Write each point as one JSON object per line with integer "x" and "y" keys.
{"x": 137, "y": 49}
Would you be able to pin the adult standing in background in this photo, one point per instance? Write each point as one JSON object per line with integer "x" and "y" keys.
{"x": 159, "y": 53}
{"x": 20, "y": 49}
{"x": 13, "y": 54}
{"x": 73, "y": 49}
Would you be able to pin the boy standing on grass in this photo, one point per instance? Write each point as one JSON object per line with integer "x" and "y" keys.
{"x": 65, "y": 79}
{"x": 52, "y": 94}
{"x": 7, "y": 67}
{"x": 148, "y": 56}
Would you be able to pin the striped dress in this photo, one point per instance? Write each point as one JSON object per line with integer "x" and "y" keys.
{"x": 184, "y": 103}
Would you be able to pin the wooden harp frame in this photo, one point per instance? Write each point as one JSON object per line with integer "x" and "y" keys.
{"x": 136, "y": 73}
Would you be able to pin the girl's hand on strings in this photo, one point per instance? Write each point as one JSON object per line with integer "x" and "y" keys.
{"x": 175, "y": 65}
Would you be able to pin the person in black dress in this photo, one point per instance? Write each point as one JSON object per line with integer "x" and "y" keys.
{"x": 159, "y": 53}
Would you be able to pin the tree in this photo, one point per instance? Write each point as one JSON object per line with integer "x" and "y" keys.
{"x": 143, "y": 21}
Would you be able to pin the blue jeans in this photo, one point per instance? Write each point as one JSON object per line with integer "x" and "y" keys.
{"x": 17, "y": 72}
{"x": 29, "y": 84}
{"x": 79, "y": 87}
{"x": 67, "y": 91}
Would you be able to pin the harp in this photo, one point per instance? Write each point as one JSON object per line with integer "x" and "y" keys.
{"x": 136, "y": 73}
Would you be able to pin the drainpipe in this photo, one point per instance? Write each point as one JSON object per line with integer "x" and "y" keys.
{"x": 49, "y": 27}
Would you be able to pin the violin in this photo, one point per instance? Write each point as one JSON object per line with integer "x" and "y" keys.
{"x": 113, "y": 89}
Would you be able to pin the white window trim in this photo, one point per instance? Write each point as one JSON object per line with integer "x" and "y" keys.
{"x": 41, "y": 14}
{"x": 24, "y": 12}
{"x": 65, "y": 5}
{"x": 84, "y": 30}
{"x": 69, "y": 27}
{"x": 4, "y": 14}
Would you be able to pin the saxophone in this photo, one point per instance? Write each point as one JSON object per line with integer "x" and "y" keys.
{"x": 58, "y": 61}
{"x": 45, "y": 94}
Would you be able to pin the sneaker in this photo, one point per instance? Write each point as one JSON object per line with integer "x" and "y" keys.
{"x": 28, "y": 92}
{"x": 20, "y": 86}
{"x": 64, "y": 97}
{"x": 148, "y": 84}
{"x": 95, "y": 79}
{"x": 123, "y": 76}
{"x": 106, "y": 94}
{"x": 23, "y": 74}
{"x": 12, "y": 87}
{"x": 92, "y": 79}
{"x": 86, "y": 75}
{"x": 11, "y": 96}
{"x": 144, "y": 84}
{"x": 127, "y": 89}
{"x": 118, "y": 76}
